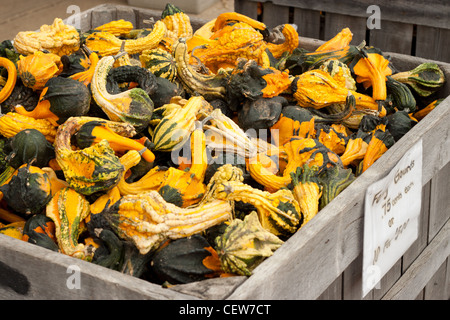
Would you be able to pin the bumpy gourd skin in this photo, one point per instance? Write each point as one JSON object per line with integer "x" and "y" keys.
{"x": 147, "y": 219}
{"x": 244, "y": 244}
{"x": 58, "y": 38}
{"x": 92, "y": 169}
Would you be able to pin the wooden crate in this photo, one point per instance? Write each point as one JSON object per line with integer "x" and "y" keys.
{"x": 321, "y": 261}
{"x": 412, "y": 27}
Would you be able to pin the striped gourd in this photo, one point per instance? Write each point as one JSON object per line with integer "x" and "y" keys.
{"x": 160, "y": 62}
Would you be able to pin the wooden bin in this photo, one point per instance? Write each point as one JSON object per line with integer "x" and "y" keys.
{"x": 412, "y": 27}
{"x": 321, "y": 261}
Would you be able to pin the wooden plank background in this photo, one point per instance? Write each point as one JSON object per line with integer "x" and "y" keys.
{"x": 412, "y": 27}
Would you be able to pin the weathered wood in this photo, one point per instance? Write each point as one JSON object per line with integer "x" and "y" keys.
{"x": 439, "y": 201}
{"x": 246, "y": 7}
{"x": 432, "y": 43}
{"x": 392, "y": 36}
{"x": 308, "y": 22}
{"x": 419, "y": 12}
{"x": 335, "y": 22}
{"x": 422, "y": 238}
{"x": 49, "y": 275}
{"x": 333, "y": 292}
{"x": 423, "y": 268}
{"x": 437, "y": 288}
{"x": 274, "y": 15}
{"x": 210, "y": 289}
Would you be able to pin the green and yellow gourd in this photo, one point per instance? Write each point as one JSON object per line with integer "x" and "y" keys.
{"x": 92, "y": 169}
{"x": 68, "y": 209}
{"x": 28, "y": 191}
{"x": 210, "y": 86}
{"x": 133, "y": 106}
{"x": 160, "y": 62}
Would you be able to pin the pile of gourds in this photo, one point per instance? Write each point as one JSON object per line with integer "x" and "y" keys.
{"x": 175, "y": 155}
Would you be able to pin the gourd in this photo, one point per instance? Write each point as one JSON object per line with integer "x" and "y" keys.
{"x": 424, "y": 79}
{"x": 68, "y": 209}
{"x": 261, "y": 113}
{"x": 379, "y": 143}
{"x": 177, "y": 22}
{"x": 251, "y": 81}
{"x": 60, "y": 99}
{"x": 13, "y": 122}
{"x": 14, "y": 229}
{"x": 147, "y": 220}
{"x": 151, "y": 180}
{"x": 307, "y": 190}
{"x": 356, "y": 148}
{"x": 133, "y": 106}
{"x": 371, "y": 69}
{"x": 288, "y": 45}
{"x": 178, "y": 122}
{"x": 339, "y": 41}
{"x": 185, "y": 260}
{"x": 118, "y": 28}
{"x": 92, "y": 169}
{"x": 245, "y": 244}
{"x": 124, "y": 77}
{"x": 331, "y": 138}
{"x": 317, "y": 89}
{"x": 7, "y": 89}
{"x": 85, "y": 77}
{"x": 278, "y": 212}
{"x": 227, "y": 45}
{"x": 36, "y": 69}
{"x": 421, "y": 113}
{"x": 301, "y": 60}
{"x": 28, "y": 191}
{"x": 30, "y": 146}
{"x": 400, "y": 95}
{"x": 299, "y": 151}
{"x": 210, "y": 86}
{"x": 184, "y": 188}
{"x": 114, "y": 247}
{"x": 293, "y": 121}
{"x": 228, "y": 18}
{"x": 94, "y": 131}
{"x": 333, "y": 181}
{"x": 160, "y": 62}
{"x": 40, "y": 230}
{"x": 399, "y": 123}
{"x": 57, "y": 38}
{"x": 107, "y": 44}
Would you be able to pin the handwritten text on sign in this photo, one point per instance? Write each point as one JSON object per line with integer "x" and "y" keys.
{"x": 391, "y": 217}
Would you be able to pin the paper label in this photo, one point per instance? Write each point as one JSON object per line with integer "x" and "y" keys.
{"x": 391, "y": 217}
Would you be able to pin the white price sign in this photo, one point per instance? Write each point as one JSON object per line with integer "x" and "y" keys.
{"x": 391, "y": 217}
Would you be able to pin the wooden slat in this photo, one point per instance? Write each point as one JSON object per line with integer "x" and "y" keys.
{"x": 334, "y": 23}
{"x": 420, "y": 12}
{"x": 246, "y": 7}
{"x": 423, "y": 268}
{"x": 274, "y": 15}
{"x": 127, "y": 14}
{"x": 44, "y": 275}
{"x": 308, "y": 22}
{"x": 352, "y": 286}
{"x": 432, "y": 43}
{"x": 392, "y": 36}
{"x": 437, "y": 288}
{"x": 388, "y": 280}
{"x": 102, "y": 15}
{"x": 439, "y": 201}
{"x": 422, "y": 239}
{"x": 334, "y": 291}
